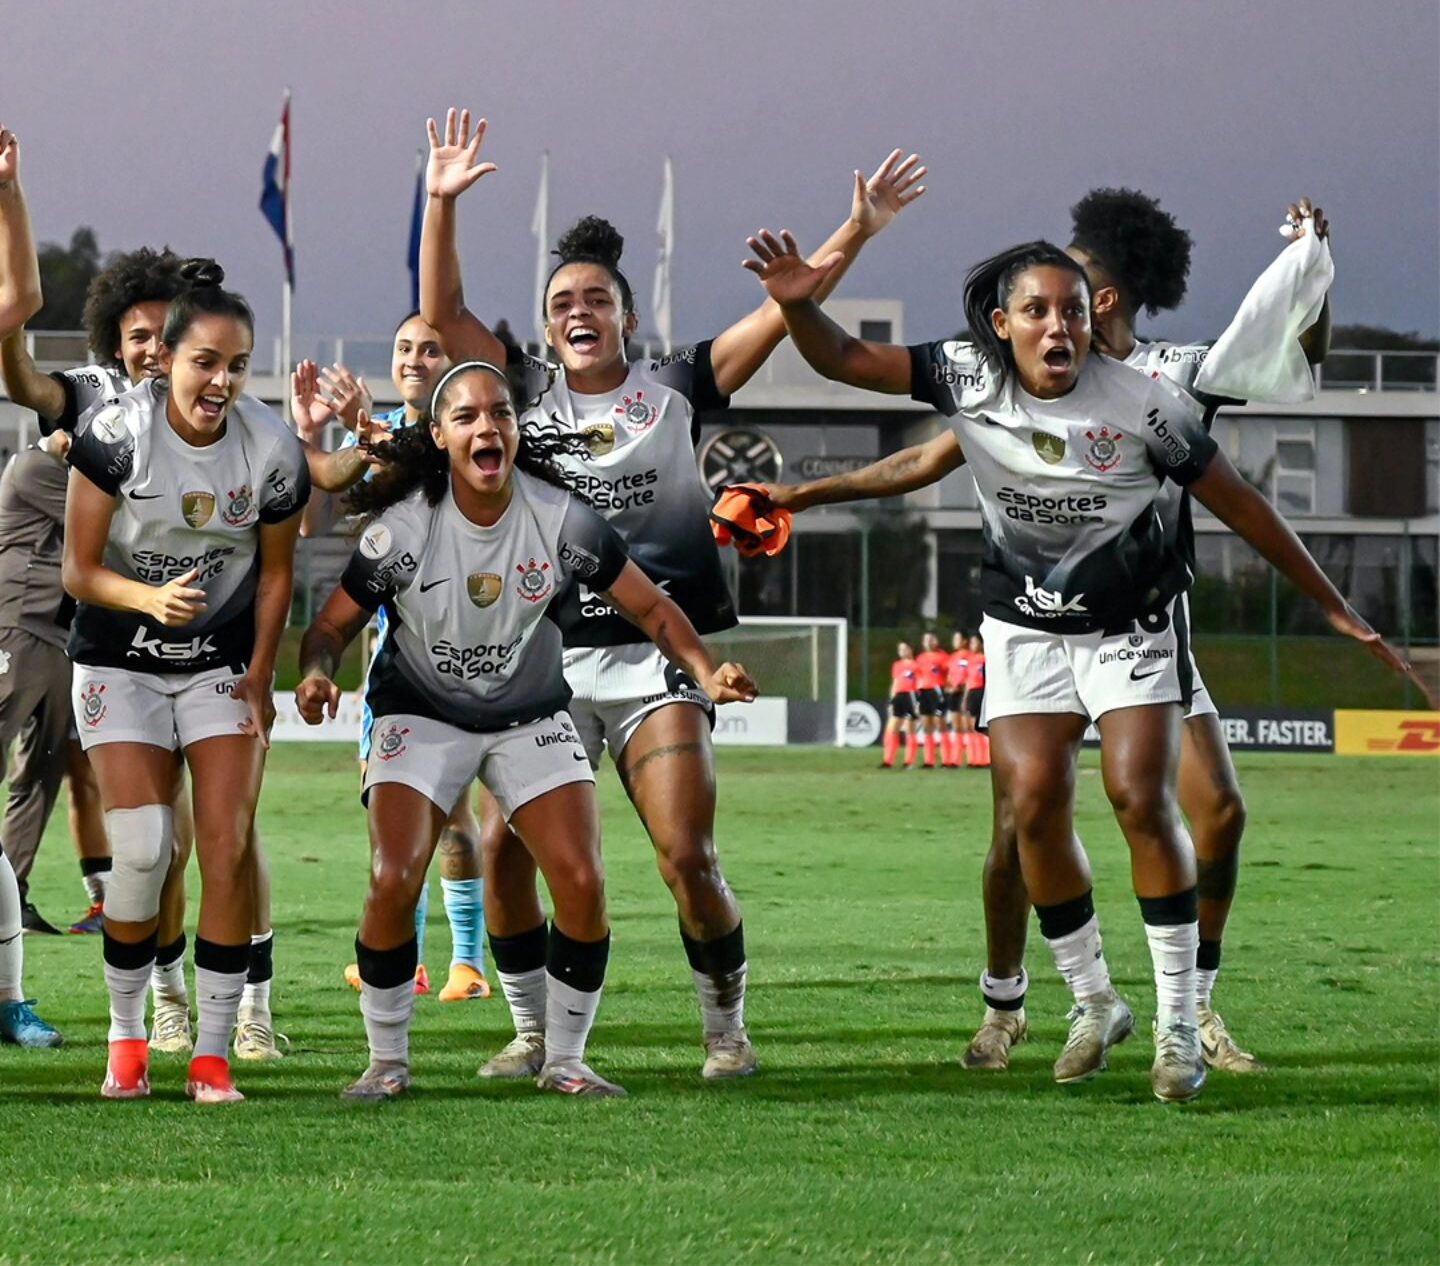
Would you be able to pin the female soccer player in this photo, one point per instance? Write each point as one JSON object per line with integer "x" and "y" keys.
{"x": 1080, "y": 590}
{"x": 476, "y": 533}
{"x": 416, "y": 363}
{"x": 1135, "y": 257}
{"x": 641, "y": 421}
{"x": 972, "y": 703}
{"x": 179, "y": 547}
{"x": 930, "y": 666}
{"x": 901, "y": 721}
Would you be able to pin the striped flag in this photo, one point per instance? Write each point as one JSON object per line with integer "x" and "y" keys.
{"x": 665, "y": 227}
{"x": 540, "y": 227}
{"x": 275, "y": 187}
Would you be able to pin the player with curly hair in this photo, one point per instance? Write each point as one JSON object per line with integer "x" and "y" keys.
{"x": 1137, "y": 258}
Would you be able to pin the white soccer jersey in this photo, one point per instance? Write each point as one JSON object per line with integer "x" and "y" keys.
{"x": 1067, "y": 487}
{"x": 84, "y": 388}
{"x": 641, "y": 476}
{"x": 469, "y": 642}
{"x": 178, "y": 508}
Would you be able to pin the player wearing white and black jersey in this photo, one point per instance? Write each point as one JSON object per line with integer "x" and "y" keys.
{"x": 641, "y": 423}
{"x": 179, "y": 548}
{"x": 470, "y": 683}
{"x": 1136, "y": 256}
{"x": 1069, "y": 452}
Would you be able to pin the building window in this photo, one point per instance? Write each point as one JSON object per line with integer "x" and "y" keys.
{"x": 1294, "y": 489}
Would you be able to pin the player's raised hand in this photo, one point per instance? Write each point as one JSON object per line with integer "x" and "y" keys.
{"x": 371, "y": 437}
{"x": 9, "y": 157}
{"x": 781, "y": 497}
{"x": 311, "y": 411}
{"x": 317, "y": 697}
{"x": 730, "y": 683}
{"x": 782, "y": 270}
{"x": 1348, "y": 621}
{"x": 346, "y": 394}
{"x": 259, "y": 698}
{"x": 1295, "y": 216}
{"x": 453, "y": 165}
{"x": 176, "y": 602}
{"x": 893, "y": 187}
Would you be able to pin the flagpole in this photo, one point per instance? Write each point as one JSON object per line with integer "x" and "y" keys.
{"x": 665, "y": 228}
{"x": 540, "y": 226}
{"x": 286, "y": 296}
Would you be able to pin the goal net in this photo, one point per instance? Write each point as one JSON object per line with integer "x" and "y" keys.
{"x": 800, "y": 664}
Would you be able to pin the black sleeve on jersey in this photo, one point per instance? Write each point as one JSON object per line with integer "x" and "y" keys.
{"x": 104, "y": 465}
{"x": 928, "y": 385}
{"x": 374, "y": 575}
{"x": 1180, "y": 447}
{"x": 528, "y": 376}
{"x": 287, "y": 482}
{"x": 692, "y": 373}
{"x": 590, "y": 549}
{"x": 70, "y": 383}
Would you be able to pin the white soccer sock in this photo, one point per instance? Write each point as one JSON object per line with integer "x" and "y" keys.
{"x": 167, "y": 983}
{"x": 387, "y": 1015}
{"x": 1004, "y": 989}
{"x": 1080, "y": 959}
{"x": 569, "y": 1014}
{"x": 217, "y": 995}
{"x": 255, "y": 998}
{"x": 526, "y": 993}
{"x": 127, "y": 1001}
{"x": 95, "y": 886}
{"x": 722, "y": 1001}
{"x": 1172, "y": 951}
{"x": 1205, "y": 984}
{"x": 12, "y": 953}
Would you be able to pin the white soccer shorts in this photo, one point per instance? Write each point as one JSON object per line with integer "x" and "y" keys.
{"x": 169, "y": 710}
{"x": 439, "y": 761}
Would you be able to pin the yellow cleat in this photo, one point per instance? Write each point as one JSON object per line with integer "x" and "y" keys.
{"x": 352, "y": 976}
{"x": 465, "y": 985}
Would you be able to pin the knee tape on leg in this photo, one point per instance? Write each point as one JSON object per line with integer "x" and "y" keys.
{"x": 141, "y": 844}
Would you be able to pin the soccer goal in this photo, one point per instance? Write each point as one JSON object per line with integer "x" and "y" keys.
{"x": 801, "y": 666}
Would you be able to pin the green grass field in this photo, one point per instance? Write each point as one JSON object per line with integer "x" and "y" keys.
{"x": 862, "y": 1139}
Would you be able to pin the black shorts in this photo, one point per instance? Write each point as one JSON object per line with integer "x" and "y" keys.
{"x": 952, "y": 700}
{"x": 903, "y": 706}
{"x": 975, "y": 702}
{"x": 931, "y": 703}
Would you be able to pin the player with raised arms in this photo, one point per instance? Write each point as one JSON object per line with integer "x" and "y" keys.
{"x": 476, "y": 531}
{"x": 1137, "y": 257}
{"x": 1080, "y": 588}
{"x": 180, "y": 530}
{"x": 641, "y": 422}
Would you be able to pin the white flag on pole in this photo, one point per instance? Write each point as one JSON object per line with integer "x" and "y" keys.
{"x": 665, "y": 227}
{"x": 540, "y": 226}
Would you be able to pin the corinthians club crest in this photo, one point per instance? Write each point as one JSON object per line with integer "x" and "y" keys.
{"x": 535, "y": 581}
{"x": 636, "y": 412}
{"x": 238, "y": 508}
{"x": 483, "y": 587}
{"x": 1050, "y": 449}
{"x": 92, "y": 705}
{"x": 197, "y": 507}
{"x": 392, "y": 741}
{"x": 1104, "y": 452}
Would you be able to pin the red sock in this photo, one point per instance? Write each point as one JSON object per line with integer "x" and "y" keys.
{"x": 910, "y": 745}
{"x": 892, "y": 745}
{"x": 947, "y": 748}
{"x": 967, "y": 740}
{"x": 929, "y": 749}
{"x": 983, "y": 741}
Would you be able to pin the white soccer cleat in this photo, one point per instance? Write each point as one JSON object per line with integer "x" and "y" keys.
{"x": 170, "y": 1029}
{"x": 255, "y": 1037}
{"x": 990, "y": 1047}
{"x": 378, "y": 1084}
{"x": 1220, "y": 1049}
{"x": 1178, "y": 1074}
{"x": 575, "y": 1078}
{"x": 1097, "y": 1024}
{"x": 523, "y": 1056}
{"x": 728, "y": 1055}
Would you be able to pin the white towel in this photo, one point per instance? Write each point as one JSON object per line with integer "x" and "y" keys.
{"x": 1259, "y": 356}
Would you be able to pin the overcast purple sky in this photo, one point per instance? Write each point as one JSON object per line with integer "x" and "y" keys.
{"x": 150, "y": 122}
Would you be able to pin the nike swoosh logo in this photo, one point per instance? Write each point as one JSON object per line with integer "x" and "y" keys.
{"x": 1181, "y": 972}
{"x": 145, "y": 496}
{"x": 580, "y": 756}
{"x": 430, "y": 584}
{"x": 1136, "y": 675}
{"x": 574, "y": 1013}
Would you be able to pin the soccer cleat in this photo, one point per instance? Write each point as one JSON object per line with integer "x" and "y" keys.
{"x": 378, "y": 1084}
{"x": 20, "y": 1026}
{"x": 422, "y": 981}
{"x": 465, "y": 985}
{"x": 352, "y": 976}
{"x": 1219, "y": 1047}
{"x": 728, "y": 1055}
{"x": 524, "y": 1056}
{"x": 127, "y": 1070}
{"x": 91, "y": 923}
{"x": 209, "y": 1081}
{"x": 170, "y": 1028}
{"x": 34, "y": 923}
{"x": 575, "y": 1078}
{"x": 255, "y": 1036}
{"x": 1178, "y": 1074}
{"x": 990, "y": 1047}
{"x": 1097, "y": 1024}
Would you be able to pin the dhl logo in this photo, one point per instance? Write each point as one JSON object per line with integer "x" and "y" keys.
{"x": 1415, "y": 736}
{"x": 1387, "y": 734}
